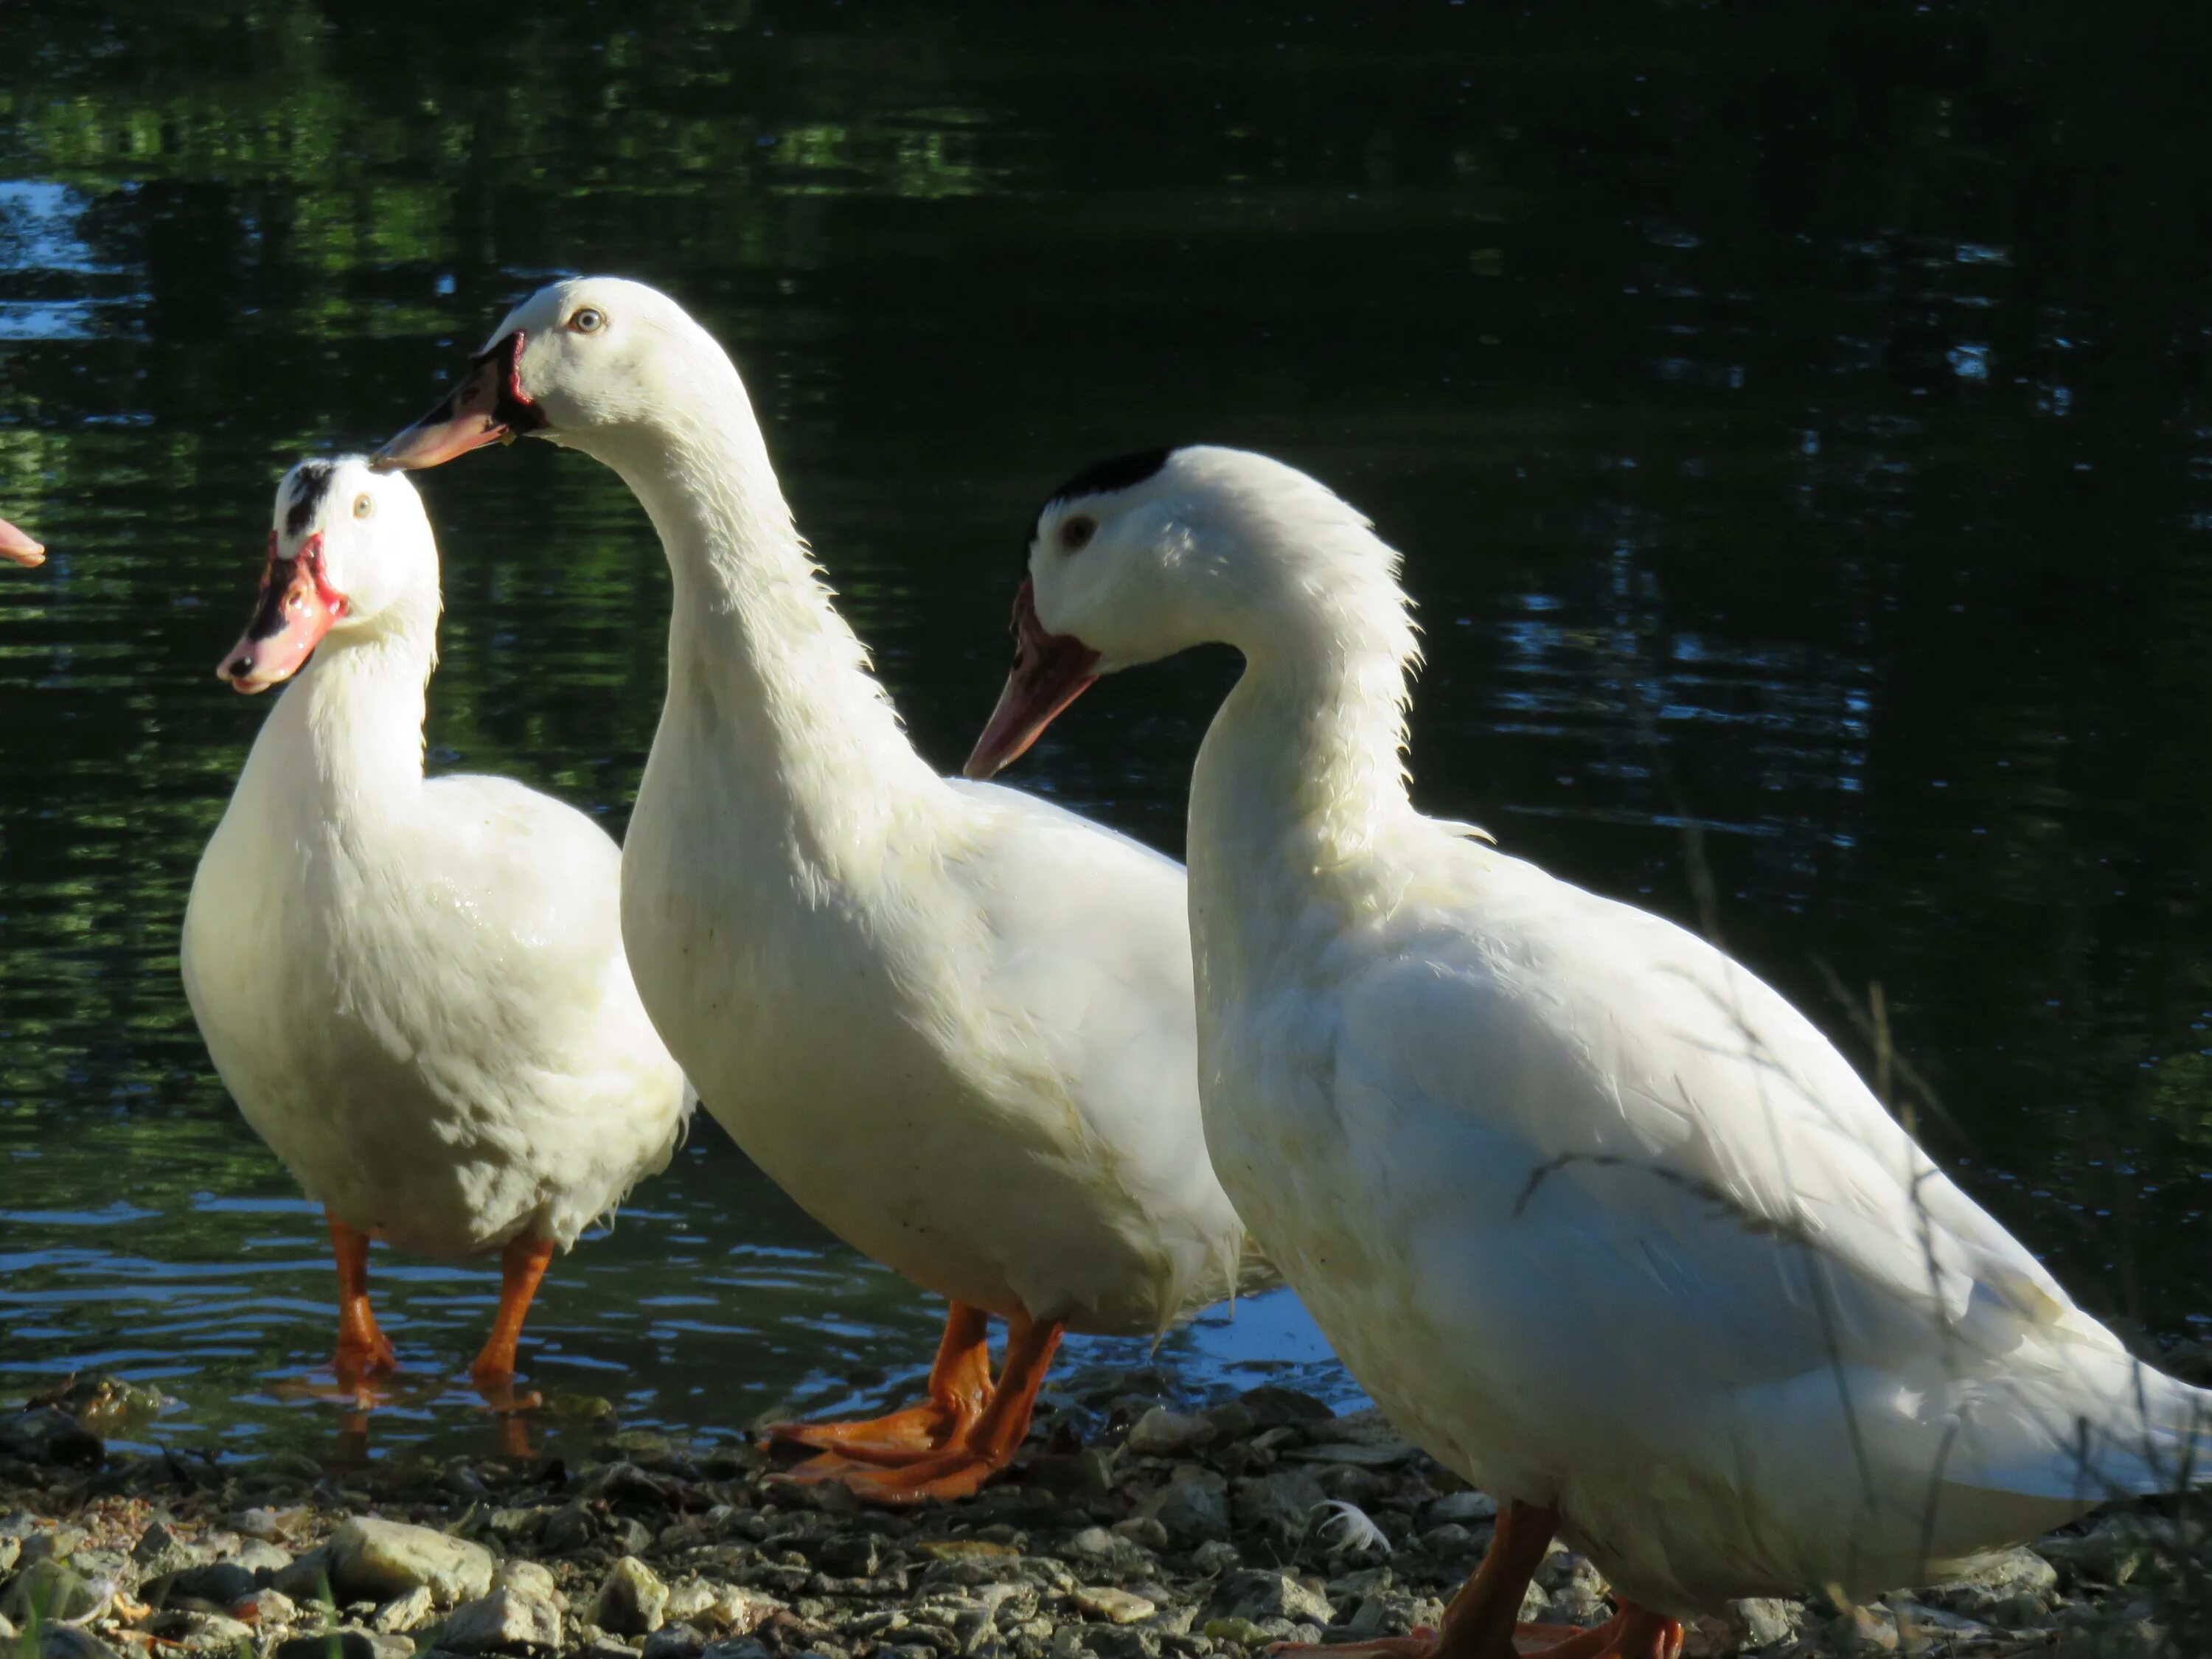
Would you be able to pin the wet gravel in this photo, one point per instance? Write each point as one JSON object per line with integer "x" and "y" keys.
{"x": 1138, "y": 1523}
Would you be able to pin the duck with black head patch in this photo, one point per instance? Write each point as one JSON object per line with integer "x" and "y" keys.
{"x": 414, "y": 987}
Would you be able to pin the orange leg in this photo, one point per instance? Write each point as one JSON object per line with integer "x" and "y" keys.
{"x": 521, "y": 1266}
{"x": 1482, "y": 1621}
{"x": 363, "y": 1352}
{"x": 959, "y": 1387}
{"x": 986, "y": 1447}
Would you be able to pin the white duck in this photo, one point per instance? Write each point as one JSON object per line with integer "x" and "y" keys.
{"x": 953, "y": 1021}
{"x": 19, "y": 548}
{"x": 1599, "y": 1219}
{"x": 414, "y": 990}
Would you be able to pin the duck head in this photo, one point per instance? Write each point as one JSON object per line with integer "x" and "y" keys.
{"x": 573, "y": 364}
{"x": 1150, "y": 554}
{"x": 350, "y": 551}
{"x": 17, "y": 547}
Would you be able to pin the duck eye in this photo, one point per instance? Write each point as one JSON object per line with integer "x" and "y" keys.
{"x": 363, "y": 507}
{"x": 1075, "y": 535}
{"x": 587, "y": 320}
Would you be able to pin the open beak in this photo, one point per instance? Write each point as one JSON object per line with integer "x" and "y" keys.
{"x": 489, "y": 406}
{"x": 16, "y": 546}
{"x": 296, "y": 610}
{"x": 1050, "y": 672}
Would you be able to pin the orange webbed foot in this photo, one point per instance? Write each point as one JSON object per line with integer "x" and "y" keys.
{"x": 896, "y": 1437}
{"x": 946, "y": 1447}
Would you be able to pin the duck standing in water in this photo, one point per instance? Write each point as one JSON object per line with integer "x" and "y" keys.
{"x": 414, "y": 989}
{"x": 952, "y": 1021}
{"x": 18, "y": 548}
{"x": 1601, "y": 1221}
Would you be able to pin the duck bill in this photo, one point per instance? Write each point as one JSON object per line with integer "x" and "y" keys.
{"x": 14, "y": 545}
{"x": 1050, "y": 672}
{"x": 487, "y": 407}
{"x": 296, "y": 608}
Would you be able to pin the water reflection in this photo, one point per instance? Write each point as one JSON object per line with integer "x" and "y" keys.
{"x": 1792, "y": 440}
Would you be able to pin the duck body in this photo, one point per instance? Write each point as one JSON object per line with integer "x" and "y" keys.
{"x": 1597, "y": 1217}
{"x": 1610, "y": 1229}
{"x": 921, "y": 1042}
{"x": 414, "y": 989}
{"x": 418, "y": 1000}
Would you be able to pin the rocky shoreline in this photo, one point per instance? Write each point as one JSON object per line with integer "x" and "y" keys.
{"x": 1134, "y": 1526}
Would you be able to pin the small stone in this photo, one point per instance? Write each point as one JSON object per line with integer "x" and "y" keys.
{"x": 330, "y": 1644}
{"x": 1142, "y": 1531}
{"x": 1863, "y": 1631}
{"x": 1284, "y": 1503}
{"x": 271, "y": 1609}
{"x": 1366, "y": 1455}
{"x": 1113, "y": 1642}
{"x": 1257, "y": 1594}
{"x": 632, "y": 1599}
{"x": 1763, "y": 1621}
{"x": 1450, "y": 1540}
{"x": 68, "y": 1641}
{"x": 411, "y": 1611}
{"x": 1163, "y": 1433}
{"x": 1192, "y": 1511}
{"x": 377, "y": 1560}
{"x": 1117, "y": 1607}
{"x": 47, "y": 1434}
{"x": 220, "y": 1583}
{"x": 1092, "y": 1543}
{"x": 1467, "y": 1508}
{"x": 158, "y": 1550}
{"x": 215, "y": 1632}
{"x": 568, "y": 1529}
{"x": 2111, "y": 1552}
{"x": 45, "y": 1592}
{"x": 1996, "y": 1579}
{"x": 532, "y": 1578}
{"x": 262, "y": 1558}
{"x": 1238, "y": 1633}
{"x": 308, "y": 1578}
{"x": 1214, "y": 1556}
{"x": 860, "y": 1557}
{"x": 506, "y": 1621}
{"x": 1272, "y": 1407}
{"x": 726, "y": 1609}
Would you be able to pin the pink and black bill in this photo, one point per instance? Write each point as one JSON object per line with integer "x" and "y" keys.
{"x": 297, "y": 606}
{"x": 487, "y": 407}
{"x": 1050, "y": 670}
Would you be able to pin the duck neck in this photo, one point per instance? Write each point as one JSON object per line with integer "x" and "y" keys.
{"x": 1302, "y": 773}
{"x": 355, "y": 714}
{"x": 762, "y": 670}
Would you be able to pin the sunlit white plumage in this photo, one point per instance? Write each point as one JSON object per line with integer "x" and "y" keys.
{"x": 1597, "y": 1217}
{"x": 952, "y": 1020}
{"x": 415, "y": 990}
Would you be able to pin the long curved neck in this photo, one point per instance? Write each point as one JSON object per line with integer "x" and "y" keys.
{"x": 760, "y": 663}
{"x": 350, "y": 727}
{"x": 1301, "y": 772}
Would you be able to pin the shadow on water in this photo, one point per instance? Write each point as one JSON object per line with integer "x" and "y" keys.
{"x": 1811, "y": 409}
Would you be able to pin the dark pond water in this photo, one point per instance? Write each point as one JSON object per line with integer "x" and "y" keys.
{"x": 1798, "y": 425}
